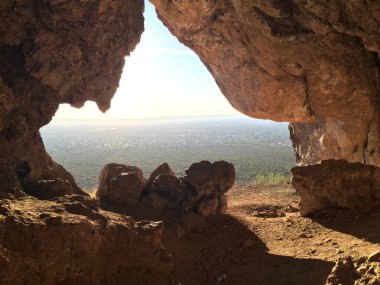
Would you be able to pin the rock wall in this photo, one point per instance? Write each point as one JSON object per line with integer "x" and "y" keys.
{"x": 71, "y": 241}
{"x": 54, "y": 52}
{"x": 312, "y": 63}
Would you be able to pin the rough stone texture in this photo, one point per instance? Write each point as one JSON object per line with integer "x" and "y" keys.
{"x": 54, "y": 52}
{"x": 120, "y": 183}
{"x": 162, "y": 169}
{"x": 171, "y": 190}
{"x": 201, "y": 190}
{"x": 206, "y": 176}
{"x": 70, "y": 241}
{"x": 366, "y": 270}
{"x": 312, "y": 63}
{"x": 336, "y": 183}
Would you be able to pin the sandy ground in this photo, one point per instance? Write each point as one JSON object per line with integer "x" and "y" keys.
{"x": 263, "y": 240}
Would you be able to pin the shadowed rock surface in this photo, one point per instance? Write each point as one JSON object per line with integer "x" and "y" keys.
{"x": 71, "y": 241}
{"x": 120, "y": 183}
{"x": 366, "y": 270}
{"x": 337, "y": 183}
{"x": 202, "y": 190}
{"x": 54, "y": 52}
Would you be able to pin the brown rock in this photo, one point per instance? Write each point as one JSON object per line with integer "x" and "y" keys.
{"x": 53, "y": 53}
{"x": 344, "y": 272}
{"x": 208, "y": 206}
{"x": 201, "y": 176}
{"x": 120, "y": 184}
{"x": 226, "y": 174}
{"x": 48, "y": 189}
{"x": 363, "y": 271}
{"x": 206, "y": 177}
{"x": 111, "y": 171}
{"x": 222, "y": 205}
{"x": 125, "y": 188}
{"x": 166, "y": 192}
{"x": 170, "y": 187}
{"x": 336, "y": 183}
{"x": 77, "y": 247}
{"x": 274, "y": 60}
{"x": 162, "y": 169}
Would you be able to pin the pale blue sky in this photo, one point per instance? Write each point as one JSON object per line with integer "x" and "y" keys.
{"x": 161, "y": 78}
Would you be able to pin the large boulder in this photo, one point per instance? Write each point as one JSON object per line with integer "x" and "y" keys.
{"x": 336, "y": 183}
{"x": 120, "y": 183}
{"x": 207, "y": 177}
{"x": 201, "y": 190}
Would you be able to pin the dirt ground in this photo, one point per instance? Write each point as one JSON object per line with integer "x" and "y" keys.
{"x": 263, "y": 240}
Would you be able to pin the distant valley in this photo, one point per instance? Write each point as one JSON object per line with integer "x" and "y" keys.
{"x": 255, "y": 147}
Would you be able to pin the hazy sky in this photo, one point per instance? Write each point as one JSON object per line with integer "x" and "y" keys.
{"x": 161, "y": 78}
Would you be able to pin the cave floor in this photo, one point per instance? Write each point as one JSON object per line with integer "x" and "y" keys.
{"x": 264, "y": 240}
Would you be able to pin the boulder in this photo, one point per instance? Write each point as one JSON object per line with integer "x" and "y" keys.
{"x": 120, "y": 183}
{"x": 162, "y": 169}
{"x": 201, "y": 190}
{"x": 208, "y": 206}
{"x": 336, "y": 183}
{"x": 171, "y": 190}
{"x": 207, "y": 177}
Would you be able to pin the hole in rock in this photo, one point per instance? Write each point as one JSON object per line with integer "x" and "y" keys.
{"x": 168, "y": 108}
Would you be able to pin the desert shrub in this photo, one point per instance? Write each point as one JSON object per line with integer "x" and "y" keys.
{"x": 91, "y": 192}
{"x": 271, "y": 179}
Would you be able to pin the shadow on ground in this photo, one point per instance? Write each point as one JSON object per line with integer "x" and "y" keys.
{"x": 217, "y": 250}
{"x": 361, "y": 224}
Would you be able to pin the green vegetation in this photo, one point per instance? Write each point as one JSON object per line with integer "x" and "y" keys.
{"x": 260, "y": 150}
{"x": 271, "y": 179}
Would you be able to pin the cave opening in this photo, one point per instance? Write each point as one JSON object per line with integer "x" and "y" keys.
{"x": 312, "y": 65}
{"x": 167, "y": 108}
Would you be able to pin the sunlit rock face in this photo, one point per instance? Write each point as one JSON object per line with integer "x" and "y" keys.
{"x": 337, "y": 183}
{"x": 54, "y": 52}
{"x": 312, "y": 63}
